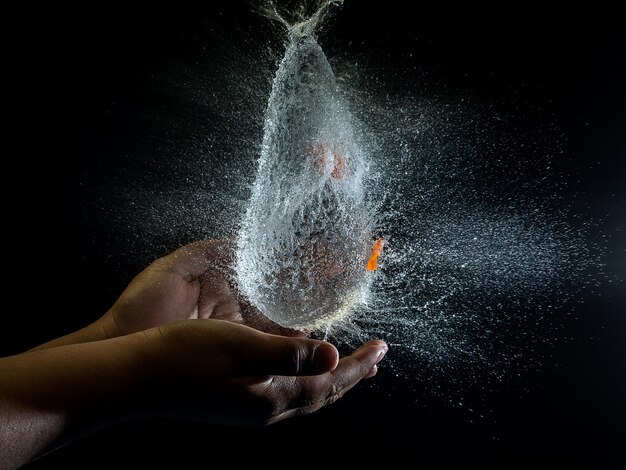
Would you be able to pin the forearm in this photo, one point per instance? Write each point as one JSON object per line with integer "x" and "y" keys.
{"x": 103, "y": 328}
{"x": 53, "y": 395}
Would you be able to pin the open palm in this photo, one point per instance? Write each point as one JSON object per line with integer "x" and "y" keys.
{"x": 192, "y": 282}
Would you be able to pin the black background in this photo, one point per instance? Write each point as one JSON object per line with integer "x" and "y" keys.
{"x": 69, "y": 66}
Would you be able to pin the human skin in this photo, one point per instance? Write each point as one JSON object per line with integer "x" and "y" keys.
{"x": 179, "y": 343}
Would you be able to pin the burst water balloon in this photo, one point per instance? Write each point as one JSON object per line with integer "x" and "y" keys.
{"x": 367, "y": 201}
{"x": 304, "y": 246}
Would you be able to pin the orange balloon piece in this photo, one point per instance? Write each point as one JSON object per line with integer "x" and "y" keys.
{"x": 372, "y": 264}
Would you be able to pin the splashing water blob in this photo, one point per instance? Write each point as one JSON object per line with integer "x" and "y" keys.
{"x": 304, "y": 249}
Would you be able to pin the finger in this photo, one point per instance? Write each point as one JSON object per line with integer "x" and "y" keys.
{"x": 353, "y": 368}
{"x": 316, "y": 392}
{"x": 265, "y": 354}
{"x": 207, "y": 262}
{"x": 240, "y": 351}
{"x": 216, "y": 299}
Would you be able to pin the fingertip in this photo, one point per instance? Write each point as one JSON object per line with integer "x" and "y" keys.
{"x": 325, "y": 358}
{"x": 376, "y": 346}
{"x": 379, "y": 343}
{"x": 383, "y": 348}
{"x": 371, "y": 353}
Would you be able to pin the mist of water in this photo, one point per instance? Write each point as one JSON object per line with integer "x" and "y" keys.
{"x": 467, "y": 261}
{"x": 481, "y": 257}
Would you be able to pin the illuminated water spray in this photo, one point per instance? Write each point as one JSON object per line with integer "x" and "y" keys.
{"x": 480, "y": 255}
{"x": 477, "y": 257}
{"x": 304, "y": 247}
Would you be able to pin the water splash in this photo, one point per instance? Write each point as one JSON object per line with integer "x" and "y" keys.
{"x": 466, "y": 263}
{"x": 482, "y": 254}
{"x": 303, "y": 247}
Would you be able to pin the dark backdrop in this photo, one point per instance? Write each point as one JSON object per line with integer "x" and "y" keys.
{"x": 69, "y": 68}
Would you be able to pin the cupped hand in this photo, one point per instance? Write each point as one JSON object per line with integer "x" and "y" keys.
{"x": 223, "y": 372}
{"x": 206, "y": 354}
{"x": 214, "y": 356}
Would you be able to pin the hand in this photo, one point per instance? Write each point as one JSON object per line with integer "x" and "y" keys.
{"x": 236, "y": 374}
{"x": 173, "y": 344}
{"x": 190, "y": 283}
{"x": 227, "y": 373}
{"x": 198, "y": 369}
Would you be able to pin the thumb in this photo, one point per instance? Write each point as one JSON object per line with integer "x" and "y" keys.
{"x": 280, "y": 355}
